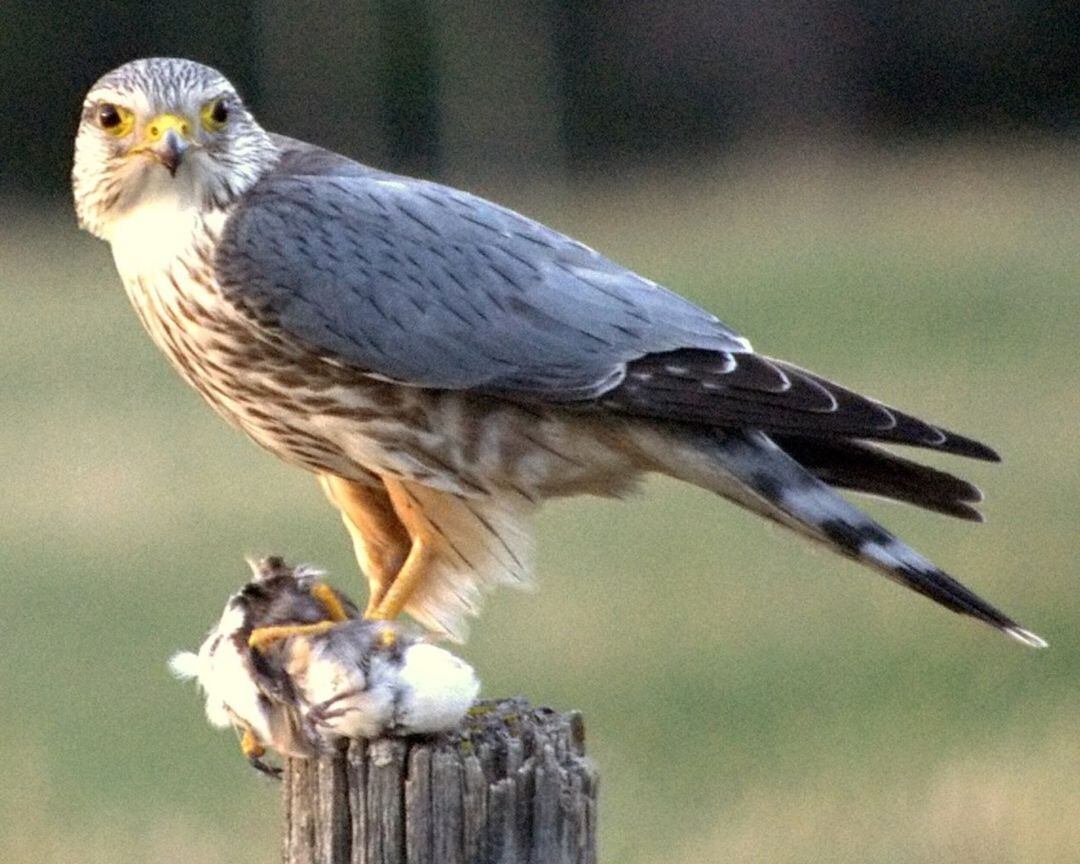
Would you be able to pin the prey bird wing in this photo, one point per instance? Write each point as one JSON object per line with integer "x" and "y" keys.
{"x": 421, "y": 284}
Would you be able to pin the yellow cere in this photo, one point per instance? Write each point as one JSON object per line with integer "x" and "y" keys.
{"x": 162, "y": 123}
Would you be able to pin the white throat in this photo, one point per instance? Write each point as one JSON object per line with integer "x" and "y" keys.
{"x": 161, "y": 218}
{"x": 149, "y": 241}
{"x": 150, "y": 236}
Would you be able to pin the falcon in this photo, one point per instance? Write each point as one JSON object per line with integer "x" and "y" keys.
{"x": 443, "y": 364}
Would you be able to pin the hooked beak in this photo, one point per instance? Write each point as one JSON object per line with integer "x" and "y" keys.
{"x": 166, "y": 138}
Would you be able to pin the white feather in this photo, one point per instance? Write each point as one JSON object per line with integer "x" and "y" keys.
{"x": 184, "y": 665}
{"x": 438, "y": 688}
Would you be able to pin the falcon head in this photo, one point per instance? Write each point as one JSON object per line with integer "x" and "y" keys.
{"x": 163, "y": 130}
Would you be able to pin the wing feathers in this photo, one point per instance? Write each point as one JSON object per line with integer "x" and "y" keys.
{"x": 344, "y": 261}
{"x": 732, "y": 390}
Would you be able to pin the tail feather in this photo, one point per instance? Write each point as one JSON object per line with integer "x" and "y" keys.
{"x": 866, "y": 468}
{"x": 752, "y": 470}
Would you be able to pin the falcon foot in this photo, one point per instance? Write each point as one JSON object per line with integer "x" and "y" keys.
{"x": 262, "y": 638}
{"x": 329, "y": 599}
{"x": 408, "y": 579}
{"x": 253, "y": 749}
{"x": 388, "y": 638}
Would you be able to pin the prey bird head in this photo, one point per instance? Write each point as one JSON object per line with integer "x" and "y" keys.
{"x": 241, "y": 688}
{"x": 163, "y": 129}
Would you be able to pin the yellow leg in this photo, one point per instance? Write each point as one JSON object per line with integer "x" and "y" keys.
{"x": 415, "y": 569}
{"x": 409, "y": 577}
{"x": 379, "y": 538}
{"x": 387, "y": 637}
{"x": 329, "y": 599}
{"x": 390, "y": 535}
{"x": 262, "y": 638}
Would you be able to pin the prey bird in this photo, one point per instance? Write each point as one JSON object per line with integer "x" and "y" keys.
{"x": 291, "y": 666}
{"x": 443, "y": 364}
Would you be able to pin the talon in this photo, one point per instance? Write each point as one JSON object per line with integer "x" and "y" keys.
{"x": 387, "y": 637}
{"x": 272, "y": 771}
{"x": 262, "y": 638}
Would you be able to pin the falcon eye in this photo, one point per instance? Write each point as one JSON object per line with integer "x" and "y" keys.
{"x": 215, "y": 115}
{"x": 114, "y": 119}
{"x": 108, "y": 116}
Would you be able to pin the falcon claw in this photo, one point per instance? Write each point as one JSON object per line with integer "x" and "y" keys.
{"x": 254, "y": 750}
{"x": 265, "y": 768}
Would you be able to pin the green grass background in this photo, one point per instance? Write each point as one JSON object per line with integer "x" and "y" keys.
{"x": 747, "y": 698}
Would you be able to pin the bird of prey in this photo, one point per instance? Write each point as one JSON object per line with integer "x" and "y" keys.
{"x": 291, "y": 665}
{"x": 444, "y": 364}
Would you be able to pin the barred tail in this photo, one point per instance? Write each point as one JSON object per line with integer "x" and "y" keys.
{"x": 756, "y": 473}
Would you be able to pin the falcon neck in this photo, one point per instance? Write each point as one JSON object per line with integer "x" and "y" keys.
{"x": 150, "y": 238}
{"x": 165, "y": 257}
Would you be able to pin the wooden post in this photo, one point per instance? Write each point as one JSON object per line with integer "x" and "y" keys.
{"x": 511, "y": 786}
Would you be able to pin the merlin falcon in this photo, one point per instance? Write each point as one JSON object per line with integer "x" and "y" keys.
{"x": 443, "y": 364}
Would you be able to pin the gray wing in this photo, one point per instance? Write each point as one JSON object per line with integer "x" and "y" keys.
{"x": 415, "y": 282}
{"x": 426, "y": 285}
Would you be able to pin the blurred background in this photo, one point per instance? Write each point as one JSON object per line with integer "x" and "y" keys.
{"x": 884, "y": 192}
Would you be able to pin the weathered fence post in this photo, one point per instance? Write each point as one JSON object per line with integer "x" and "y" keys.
{"x": 511, "y": 786}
